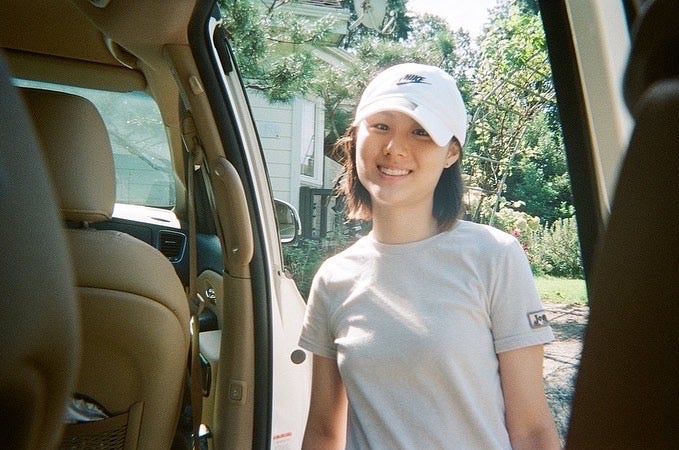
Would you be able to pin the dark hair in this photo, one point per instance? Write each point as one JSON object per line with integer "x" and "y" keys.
{"x": 447, "y": 194}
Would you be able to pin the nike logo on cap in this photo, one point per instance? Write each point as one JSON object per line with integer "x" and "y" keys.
{"x": 412, "y": 79}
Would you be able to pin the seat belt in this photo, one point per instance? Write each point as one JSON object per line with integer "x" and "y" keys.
{"x": 196, "y": 301}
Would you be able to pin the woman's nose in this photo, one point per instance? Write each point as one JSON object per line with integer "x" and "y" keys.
{"x": 395, "y": 147}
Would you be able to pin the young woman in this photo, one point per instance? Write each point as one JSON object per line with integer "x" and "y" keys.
{"x": 428, "y": 332}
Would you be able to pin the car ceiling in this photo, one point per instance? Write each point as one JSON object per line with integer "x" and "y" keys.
{"x": 120, "y": 46}
{"x": 79, "y": 31}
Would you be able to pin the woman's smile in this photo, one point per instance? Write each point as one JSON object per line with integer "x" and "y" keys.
{"x": 393, "y": 172}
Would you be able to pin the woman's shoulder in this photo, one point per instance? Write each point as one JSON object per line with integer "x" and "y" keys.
{"x": 349, "y": 259}
{"x": 480, "y": 233}
{"x": 479, "y": 242}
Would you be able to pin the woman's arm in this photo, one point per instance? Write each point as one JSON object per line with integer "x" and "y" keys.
{"x": 529, "y": 420}
{"x": 327, "y": 423}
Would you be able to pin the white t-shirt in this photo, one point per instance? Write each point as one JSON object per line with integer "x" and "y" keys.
{"x": 415, "y": 329}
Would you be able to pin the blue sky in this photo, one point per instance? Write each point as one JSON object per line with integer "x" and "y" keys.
{"x": 467, "y": 14}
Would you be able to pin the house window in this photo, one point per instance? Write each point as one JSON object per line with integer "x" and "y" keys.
{"x": 311, "y": 144}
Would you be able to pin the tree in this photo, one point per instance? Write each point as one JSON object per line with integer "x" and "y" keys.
{"x": 513, "y": 124}
{"x": 513, "y": 156}
{"x": 430, "y": 42}
{"x": 395, "y": 27}
{"x": 273, "y": 46}
{"x": 540, "y": 176}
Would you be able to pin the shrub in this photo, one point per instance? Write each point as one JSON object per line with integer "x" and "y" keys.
{"x": 302, "y": 260}
{"x": 555, "y": 250}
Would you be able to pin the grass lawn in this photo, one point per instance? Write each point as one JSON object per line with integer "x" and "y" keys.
{"x": 562, "y": 290}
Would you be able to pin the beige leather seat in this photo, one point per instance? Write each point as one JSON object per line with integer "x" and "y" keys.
{"x": 135, "y": 316}
{"x": 39, "y": 339}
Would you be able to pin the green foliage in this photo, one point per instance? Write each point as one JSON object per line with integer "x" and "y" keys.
{"x": 539, "y": 177}
{"x": 242, "y": 24}
{"x": 555, "y": 250}
{"x": 273, "y": 46}
{"x": 515, "y": 149}
{"x": 396, "y": 27}
{"x": 512, "y": 89}
{"x": 302, "y": 260}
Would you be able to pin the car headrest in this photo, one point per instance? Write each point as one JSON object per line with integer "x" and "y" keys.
{"x": 653, "y": 56}
{"x": 78, "y": 152}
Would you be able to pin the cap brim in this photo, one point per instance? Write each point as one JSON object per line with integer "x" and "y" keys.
{"x": 432, "y": 124}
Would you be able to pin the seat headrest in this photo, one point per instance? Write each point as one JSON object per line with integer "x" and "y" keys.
{"x": 653, "y": 56}
{"x": 39, "y": 323}
{"x": 77, "y": 151}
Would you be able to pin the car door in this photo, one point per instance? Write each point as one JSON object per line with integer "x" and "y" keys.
{"x": 260, "y": 380}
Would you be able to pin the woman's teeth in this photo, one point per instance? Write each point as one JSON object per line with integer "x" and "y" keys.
{"x": 394, "y": 172}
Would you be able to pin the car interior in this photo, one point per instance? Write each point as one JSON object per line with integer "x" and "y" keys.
{"x": 104, "y": 302}
{"x": 39, "y": 368}
{"x": 118, "y": 278}
{"x": 144, "y": 281}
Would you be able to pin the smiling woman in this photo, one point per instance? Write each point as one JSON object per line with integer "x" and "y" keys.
{"x": 454, "y": 296}
{"x": 443, "y": 123}
{"x": 399, "y": 165}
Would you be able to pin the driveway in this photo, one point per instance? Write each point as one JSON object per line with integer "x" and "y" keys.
{"x": 562, "y": 358}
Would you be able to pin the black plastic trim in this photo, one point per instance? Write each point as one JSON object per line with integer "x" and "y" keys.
{"x": 575, "y": 127}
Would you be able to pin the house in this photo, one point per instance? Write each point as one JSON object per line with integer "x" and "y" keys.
{"x": 292, "y": 133}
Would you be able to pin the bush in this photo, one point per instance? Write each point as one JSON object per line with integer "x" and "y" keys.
{"x": 302, "y": 260}
{"x": 555, "y": 250}
{"x": 552, "y": 250}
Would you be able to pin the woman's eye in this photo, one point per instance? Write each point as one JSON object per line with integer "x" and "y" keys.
{"x": 381, "y": 126}
{"x": 421, "y": 132}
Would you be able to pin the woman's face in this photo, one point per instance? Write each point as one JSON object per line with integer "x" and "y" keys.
{"x": 397, "y": 161}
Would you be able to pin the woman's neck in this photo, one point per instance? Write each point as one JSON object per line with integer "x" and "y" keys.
{"x": 401, "y": 227}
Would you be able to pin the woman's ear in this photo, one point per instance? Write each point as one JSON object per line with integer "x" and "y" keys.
{"x": 453, "y": 153}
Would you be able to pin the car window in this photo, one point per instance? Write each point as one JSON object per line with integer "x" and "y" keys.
{"x": 140, "y": 149}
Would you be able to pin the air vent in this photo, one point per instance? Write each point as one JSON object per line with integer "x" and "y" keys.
{"x": 172, "y": 244}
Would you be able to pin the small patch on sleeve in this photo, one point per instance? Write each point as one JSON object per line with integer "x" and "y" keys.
{"x": 538, "y": 319}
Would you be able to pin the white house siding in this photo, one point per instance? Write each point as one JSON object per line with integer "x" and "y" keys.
{"x": 274, "y": 124}
{"x": 285, "y": 130}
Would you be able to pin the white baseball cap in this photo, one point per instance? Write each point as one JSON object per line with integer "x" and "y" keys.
{"x": 425, "y": 93}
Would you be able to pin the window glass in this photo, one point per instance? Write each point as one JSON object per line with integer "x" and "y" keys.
{"x": 140, "y": 149}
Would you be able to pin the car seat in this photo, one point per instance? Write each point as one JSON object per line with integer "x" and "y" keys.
{"x": 39, "y": 331}
{"x": 627, "y": 391}
{"x": 134, "y": 311}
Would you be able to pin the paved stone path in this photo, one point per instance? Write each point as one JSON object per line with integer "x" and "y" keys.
{"x": 562, "y": 358}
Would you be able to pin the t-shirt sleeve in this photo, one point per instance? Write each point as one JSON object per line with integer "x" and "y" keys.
{"x": 317, "y": 336}
{"x": 518, "y": 317}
